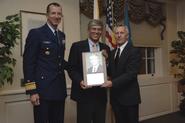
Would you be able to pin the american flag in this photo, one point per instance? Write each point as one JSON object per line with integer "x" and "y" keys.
{"x": 110, "y": 40}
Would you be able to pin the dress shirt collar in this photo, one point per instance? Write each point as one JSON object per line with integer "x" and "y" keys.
{"x": 53, "y": 30}
{"x": 122, "y": 47}
{"x": 91, "y": 43}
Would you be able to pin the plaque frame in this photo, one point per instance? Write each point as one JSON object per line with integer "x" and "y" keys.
{"x": 99, "y": 75}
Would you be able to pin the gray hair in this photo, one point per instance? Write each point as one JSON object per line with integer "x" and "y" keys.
{"x": 121, "y": 25}
{"x": 95, "y": 22}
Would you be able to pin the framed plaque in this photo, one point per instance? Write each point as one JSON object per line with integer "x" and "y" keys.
{"x": 94, "y": 68}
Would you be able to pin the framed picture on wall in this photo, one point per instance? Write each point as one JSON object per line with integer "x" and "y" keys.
{"x": 94, "y": 68}
{"x": 30, "y": 20}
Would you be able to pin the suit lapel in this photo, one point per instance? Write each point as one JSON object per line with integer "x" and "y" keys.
{"x": 61, "y": 38}
{"x": 102, "y": 47}
{"x": 124, "y": 54}
{"x": 85, "y": 45}
{"x": 114, "y": 51}
{"x": 48, "y": 33}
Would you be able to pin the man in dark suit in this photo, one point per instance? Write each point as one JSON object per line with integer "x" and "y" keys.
{"x": 91, "y": 101}
{"x": 123, "y": 68}
{"x": 43, "y": 65}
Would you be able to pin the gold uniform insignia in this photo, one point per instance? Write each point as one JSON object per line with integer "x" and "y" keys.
{"x": 30, "y": 86}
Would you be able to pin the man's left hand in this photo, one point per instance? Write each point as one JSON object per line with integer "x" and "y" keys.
{"x": 107, "y": 84}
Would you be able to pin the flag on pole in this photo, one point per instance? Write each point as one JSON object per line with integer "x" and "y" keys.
{"x": 96, "y": 10}
{"x": 126, "y": 20}
{"x": 109, "y": 36}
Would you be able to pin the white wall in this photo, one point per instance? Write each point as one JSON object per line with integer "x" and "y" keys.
{"x": 181, "y": 15}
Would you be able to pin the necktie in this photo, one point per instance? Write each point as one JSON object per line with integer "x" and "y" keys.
{"x": 94, "y": 48}
{"x": 117, "y": 57}
{"x": 56, "y": 37}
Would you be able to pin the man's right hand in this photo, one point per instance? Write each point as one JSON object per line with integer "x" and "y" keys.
{"x": 83, "y": 86}
{"x": 35, "y": 99}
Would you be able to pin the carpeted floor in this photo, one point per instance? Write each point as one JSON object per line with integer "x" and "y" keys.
{"x": 176, "y": 117}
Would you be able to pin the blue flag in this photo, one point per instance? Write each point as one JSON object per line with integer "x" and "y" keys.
{"x": 126, "y": 20}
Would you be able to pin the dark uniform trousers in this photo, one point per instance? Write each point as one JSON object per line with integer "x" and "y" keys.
{"x": 55, "y": 110}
